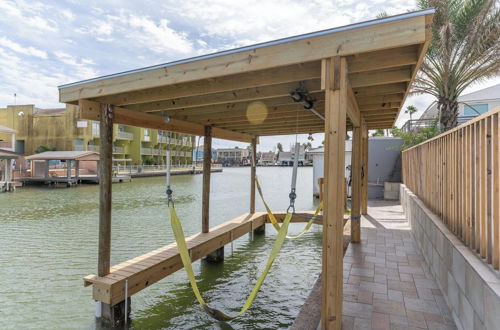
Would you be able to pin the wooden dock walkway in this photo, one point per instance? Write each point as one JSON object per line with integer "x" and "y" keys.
{"x": 144, "y": 270}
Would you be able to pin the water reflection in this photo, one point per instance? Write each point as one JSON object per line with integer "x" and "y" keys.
{"x": 49, "y": 241}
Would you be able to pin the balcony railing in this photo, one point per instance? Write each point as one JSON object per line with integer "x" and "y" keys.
{"x": 124, "y": 135}
{"x": 146, "y": 151}
{"x": 92, "y": 148}
{"x": 162, "y": 139}
{"x": 118, "y": 150}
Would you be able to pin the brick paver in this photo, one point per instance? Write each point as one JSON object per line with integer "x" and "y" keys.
{"x": 386, "y": 284}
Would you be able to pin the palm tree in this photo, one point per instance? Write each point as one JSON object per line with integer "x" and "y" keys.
{"x": 411, "y": 109}
{"x": 465, "y": 49}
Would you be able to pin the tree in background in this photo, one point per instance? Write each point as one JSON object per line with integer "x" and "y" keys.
{"x": 44, "y": 148}
{"x": 465, "y": 49}
{"x": 411, "y": 109}
{"x": 379, "y": 132}
{"x": 415, "y": 137}
{"x": 307, "y": 146}
{"x": 279, "y": 146}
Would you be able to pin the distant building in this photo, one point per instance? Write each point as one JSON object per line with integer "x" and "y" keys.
{"x": 470, "y": 106}
{"x": 61, "y": 128}
{"x": 267, "y": 158}
{"x": 199, "y": 152}
{"x": 233, "y": 156}
{"x": 286, "y": 158}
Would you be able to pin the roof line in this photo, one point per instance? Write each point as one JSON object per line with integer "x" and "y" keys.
{"x": 261, "y": 45}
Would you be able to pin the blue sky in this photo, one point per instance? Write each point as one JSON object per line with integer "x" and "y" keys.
{"x": 49, "y": 43}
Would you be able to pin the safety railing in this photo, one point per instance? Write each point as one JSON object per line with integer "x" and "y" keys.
{"x": 457, "y": 175}
{"x": 124, "y": 135}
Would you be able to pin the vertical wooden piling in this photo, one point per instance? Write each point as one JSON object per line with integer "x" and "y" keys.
{"x": 253, "y": 174}
{"x": 364, "y": 170}
{"x": 356, "y": 184}
{"x": 105, "y": 188}
{"x": 335, "y": 129}
{"x": 207, "y": 166}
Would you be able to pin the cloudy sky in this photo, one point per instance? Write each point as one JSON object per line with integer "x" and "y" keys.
{"x": 49, "y": 43}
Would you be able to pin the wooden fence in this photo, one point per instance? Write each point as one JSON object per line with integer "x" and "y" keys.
{"x": 457, "y": 175}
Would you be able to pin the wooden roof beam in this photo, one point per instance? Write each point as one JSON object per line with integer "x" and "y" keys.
{"x": 90, "y": 110}
{"x": 373, "y": 78}
{"x": 277, "y": 75}
{"x": 389, "y": 105}
{"x": 380, "y": 89}
{"x": 383, "y": 59}
{"x": 231, "y": 108}
{"x": 262, "y": 93}
{"x": 352, "y": 108}
{"x": 380, "y": 99}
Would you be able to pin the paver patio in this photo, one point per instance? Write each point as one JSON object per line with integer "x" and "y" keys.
{"x": 386, "y": 281}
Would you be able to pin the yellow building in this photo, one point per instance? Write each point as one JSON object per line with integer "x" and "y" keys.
{"x": 62, "y": 130}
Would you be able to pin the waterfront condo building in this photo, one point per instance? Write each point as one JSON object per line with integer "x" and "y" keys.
{"x": 61, "y": 129}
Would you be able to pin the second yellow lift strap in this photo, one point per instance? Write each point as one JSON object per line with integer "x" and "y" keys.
{"x": 186, "y": 261}
{"x": 274, "y": 222}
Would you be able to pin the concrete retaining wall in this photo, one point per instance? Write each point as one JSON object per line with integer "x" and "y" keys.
{"x": 470, "y": 287}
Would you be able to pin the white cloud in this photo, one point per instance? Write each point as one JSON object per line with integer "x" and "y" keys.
{"x": 30, "y": 50}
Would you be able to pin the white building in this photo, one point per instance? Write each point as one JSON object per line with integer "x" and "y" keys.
{"x": 318, "y": 156}
{"x": 471, "y": 105}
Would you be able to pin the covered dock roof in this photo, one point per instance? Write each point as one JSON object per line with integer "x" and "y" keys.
{"x": 7, "y": 130}
{"x": 221, "y": 90}
{"x": 65, "y": 155}
{"x": 7, "y": 154}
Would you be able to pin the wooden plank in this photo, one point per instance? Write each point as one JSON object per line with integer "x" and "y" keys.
{"x": 374, "y": 107}
{"x": 489, "y": 190}
{"x": 496, "y": 190}
{"x": 253, "y": 173}
{"x": 332, "y": 269}
{"x": 90, "y": 110}
{"x": 383, "y": 35}
{"x": 377, "y": 90}
{"x": 107, "y": 113}
{"x": 380, "y": 99}
{"x": 482, "y": 187}
{"x": 352, "y": 108}
{"x": 364, "y": 170}
{"x": 381, "y": 77}
{"x": 356, "y": 165}
{"x": 384, "y": 59}
{"x": 207, "y": 170}
{"x": 261, "y": 93}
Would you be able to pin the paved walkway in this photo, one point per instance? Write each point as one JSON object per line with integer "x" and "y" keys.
{"x": 386, "y": 284}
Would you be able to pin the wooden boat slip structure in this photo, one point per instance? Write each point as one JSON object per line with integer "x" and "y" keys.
{"x": 358, "y": 77}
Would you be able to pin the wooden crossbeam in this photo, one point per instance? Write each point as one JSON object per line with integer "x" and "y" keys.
{"x": 277, "y": 75}
{"x": 352, "y": 108}
{"x": 90, "y": 110}
{"x": 241, "y": 107}
{"x": 272, "y": 117}
{"x": 389, "y": 105}
{"x": 379, "y": 112}
{"x": 380, "y": 89}
{"x": 261, "y": 93}
{"x": 291, "y": 123}
{"x": 373, "y": 78}
{"x": 383, "y": 59}
{"x": 380, "y": 99}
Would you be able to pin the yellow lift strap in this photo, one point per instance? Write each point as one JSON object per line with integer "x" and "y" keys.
{"x": 186, "y": 261}
{"x": 273, "y": 218}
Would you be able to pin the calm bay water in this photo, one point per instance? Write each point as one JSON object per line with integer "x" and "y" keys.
{"x": 48, "y": 243}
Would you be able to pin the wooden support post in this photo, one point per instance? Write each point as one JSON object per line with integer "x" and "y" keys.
{"x": 68, "y": 172}
{"x": 77, "y": 170}
{"x": 364, "y": 170}
{"x": 46, "y": 169}
{"x": 105, "y": 187}
{"x": 356, "y": 185}
{"x": 335, "y": 130}
{"x": 207, "y": 166}
{"x": 253, "y": 174}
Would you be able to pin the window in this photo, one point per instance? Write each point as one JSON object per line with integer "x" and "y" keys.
{"x": 475, "y": 109}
